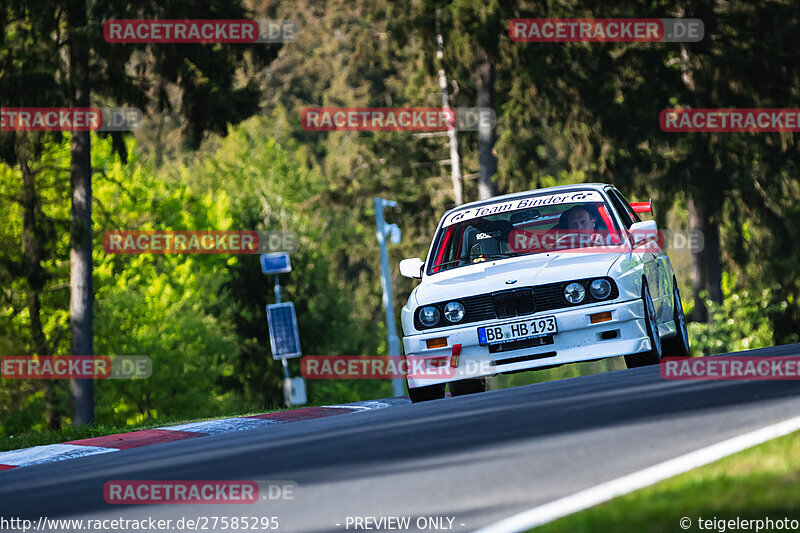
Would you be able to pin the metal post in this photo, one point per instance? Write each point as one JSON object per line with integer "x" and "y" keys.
{"x": 285, "y": 368}
{"x": 386, "y": 285}
{"x": 284, "y": 363}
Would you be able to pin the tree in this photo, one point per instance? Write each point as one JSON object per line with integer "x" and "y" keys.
{"x": 25, "y": 62}
{"x": 209, "y": 100}
{"x": 471, "y": 32}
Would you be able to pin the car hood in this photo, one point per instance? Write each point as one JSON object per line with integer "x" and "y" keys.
{"x": 489, "y": 276}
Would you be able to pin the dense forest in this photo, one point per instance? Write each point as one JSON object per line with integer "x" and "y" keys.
{"x": 222, "y": 148}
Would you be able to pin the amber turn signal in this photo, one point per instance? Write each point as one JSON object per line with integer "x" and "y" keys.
{"x": 600, "y": 317}
{"x": 438, "y": 342}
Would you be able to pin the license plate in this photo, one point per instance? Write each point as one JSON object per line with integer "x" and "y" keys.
{"x": 517, "y": 331}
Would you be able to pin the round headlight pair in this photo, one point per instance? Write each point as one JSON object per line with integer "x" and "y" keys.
{"x": 575, "y": 292}
{"x": 453, "y": 313}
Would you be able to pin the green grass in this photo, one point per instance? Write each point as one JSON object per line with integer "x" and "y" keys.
{"x": 763, "y": 481}
{"x": 571, "y": 370}
{"x": 68, "y": 433}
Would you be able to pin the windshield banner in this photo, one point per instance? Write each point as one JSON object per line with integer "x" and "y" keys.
{"x": 521, "y": 203}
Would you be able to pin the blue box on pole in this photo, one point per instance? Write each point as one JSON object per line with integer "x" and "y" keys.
{"x": 277, "y": 263}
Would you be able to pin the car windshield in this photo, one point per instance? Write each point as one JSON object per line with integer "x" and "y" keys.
{"x": 550, "y": 223}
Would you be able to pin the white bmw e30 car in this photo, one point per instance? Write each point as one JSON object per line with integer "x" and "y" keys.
{"x": 538, "y": 279}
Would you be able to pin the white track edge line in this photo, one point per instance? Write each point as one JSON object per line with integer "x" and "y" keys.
{"x": 584, "y": 499}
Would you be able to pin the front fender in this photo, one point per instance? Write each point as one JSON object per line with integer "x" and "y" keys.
{"x": 628, "y": 271}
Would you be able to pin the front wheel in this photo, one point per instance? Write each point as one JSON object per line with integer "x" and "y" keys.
{"x": 679, "y": 344}
{"x": 424, "y": 394}
{"x": 652, "y": 356}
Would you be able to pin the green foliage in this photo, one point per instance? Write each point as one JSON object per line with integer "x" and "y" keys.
{"x": 741, "y": 322}
{"x": 201, "y": 319}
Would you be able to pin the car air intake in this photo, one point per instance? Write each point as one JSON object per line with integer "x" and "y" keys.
{"x": 520, "y": 359}
{"x": 519, "y": 345}
{"x": 523, "y": 298}
{"x": 508, "y": 304}
{"x": 504, "y": 304}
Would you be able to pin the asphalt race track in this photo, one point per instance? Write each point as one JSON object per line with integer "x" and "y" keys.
{"x": 473, "y": 460}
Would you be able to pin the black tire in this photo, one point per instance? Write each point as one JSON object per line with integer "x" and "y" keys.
{"x": 425, "y": 394}
{"x": 652, "y": 356}
{"x": 467, "y": 386}
{"x": 678, "y": 346}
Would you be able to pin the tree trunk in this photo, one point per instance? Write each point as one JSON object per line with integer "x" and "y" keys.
{"x": 704, "y": 210}
{"x": 455, "y": 160}
{"x": 35, "y": 277}
{"x": 696, "y": 217}
{"x": 714, "y": 261}
{"x": 34, "y": 273}
{"x": 485, "y": 75}
{"x": 81, "y": 291}
{"x": 706, "y": 264}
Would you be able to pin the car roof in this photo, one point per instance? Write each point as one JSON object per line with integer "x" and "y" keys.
{"x": 522, "y": 194}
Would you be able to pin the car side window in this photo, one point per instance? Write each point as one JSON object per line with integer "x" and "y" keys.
{"x": 633, "y": 214}
{"x": 619, "y": 207}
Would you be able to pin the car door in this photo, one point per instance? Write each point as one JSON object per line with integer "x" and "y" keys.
{"x": 662, "y": 288}
{"x": 644, "y": 252}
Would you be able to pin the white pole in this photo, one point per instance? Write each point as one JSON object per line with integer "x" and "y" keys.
{"x": 386, "y": 285}
{"x": 455, "y": 161}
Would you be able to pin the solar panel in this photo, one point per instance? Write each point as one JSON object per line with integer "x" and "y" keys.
{"x": 277, "y": 263}
{"x": 283, "y": 334}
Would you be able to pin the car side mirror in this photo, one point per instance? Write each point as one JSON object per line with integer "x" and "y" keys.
{"x": 642, "y": 232}
{"x": 411, "y": 268}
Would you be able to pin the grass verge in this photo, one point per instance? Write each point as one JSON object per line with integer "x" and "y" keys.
{"x": 68, "y": 433}
{"x": 757, "y": 483}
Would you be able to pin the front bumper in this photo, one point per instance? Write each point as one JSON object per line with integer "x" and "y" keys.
{"x": 577, "y": 340}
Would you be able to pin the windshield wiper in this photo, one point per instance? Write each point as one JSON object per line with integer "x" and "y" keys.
{"x": 501, "y": 256}
{"x": 447, "y": 263}
{"x": 485, "y": 256}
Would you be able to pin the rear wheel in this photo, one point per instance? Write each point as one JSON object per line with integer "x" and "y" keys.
{"x": 652, "y": 356}
{"x": 679, "y": 344}
{"x": 467, "y": 386}
{"x": 424, "y": 394}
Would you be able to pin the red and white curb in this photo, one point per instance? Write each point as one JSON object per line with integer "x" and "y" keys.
{"x": 148, "y": 437}
{"x": 44, "y": 454}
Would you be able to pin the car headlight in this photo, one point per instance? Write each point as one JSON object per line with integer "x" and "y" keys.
{"x": 429, "y": 316}
{"x": 600, "y": 289}
{"x": 454, "y": 312}
{"x": 574, "y": 293}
